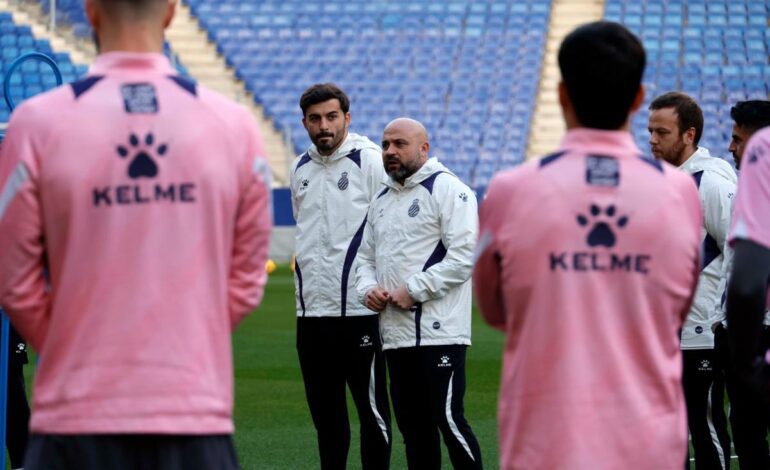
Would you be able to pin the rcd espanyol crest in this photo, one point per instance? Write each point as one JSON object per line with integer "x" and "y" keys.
{"x": 414, "y": 209}
{"x": 343, "y": 181}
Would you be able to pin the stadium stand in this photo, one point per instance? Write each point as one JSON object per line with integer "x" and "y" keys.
{"x": 714, "y": 50}
{"x": 73, "y": 14}
{"x": 33, "y": 77}
{"x": 469, "y": 70}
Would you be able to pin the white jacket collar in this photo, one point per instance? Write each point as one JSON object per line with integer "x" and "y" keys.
{"x": 702, "y": 160}
{"x": 431, "y": 166}
{"x": 351, "y": 143}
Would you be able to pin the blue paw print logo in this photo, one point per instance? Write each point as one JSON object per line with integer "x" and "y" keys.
{"x": 601, "y": 233}
{"x": 140, "y": 151}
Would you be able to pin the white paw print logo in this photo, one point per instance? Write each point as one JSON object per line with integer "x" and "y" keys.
{"x": 366, "y": 341}
{"x": 444, "y": 360}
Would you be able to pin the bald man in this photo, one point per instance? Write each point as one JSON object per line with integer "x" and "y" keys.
{"x": 414, "y": 269}
{"x": 148, "y": 197}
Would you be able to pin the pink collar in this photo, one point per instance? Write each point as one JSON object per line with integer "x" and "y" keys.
{"x": 133, "y": 61}
{"x": 615, "y": 143}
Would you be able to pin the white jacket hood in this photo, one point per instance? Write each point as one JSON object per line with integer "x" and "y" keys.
{"x": 421, "y": 235}
{"x": 330, "y": 197}
{"x": 716, "y": 181}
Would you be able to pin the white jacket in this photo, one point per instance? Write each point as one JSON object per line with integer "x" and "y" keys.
{"x": 716, "y": 181}
{"x": 422, "y": 235}
{"x": 330, "y": 197}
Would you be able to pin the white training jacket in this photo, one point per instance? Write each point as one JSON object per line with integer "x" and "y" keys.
{"x": 422, "y": 235}
{"x": 330, "y": 197}
{"x": 716, "y": 181}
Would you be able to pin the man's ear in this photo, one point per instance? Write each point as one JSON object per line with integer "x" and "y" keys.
{"x": 169, "y": 15}
{"x": 92, "y": 13}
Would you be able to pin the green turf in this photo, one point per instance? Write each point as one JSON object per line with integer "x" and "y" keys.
{"x": 273, "y": 426}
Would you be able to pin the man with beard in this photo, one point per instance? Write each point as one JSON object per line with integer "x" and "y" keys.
{"x": 338, "y": 339}
{"x": 415, "y": 268}
{"x": 748, "y": 117}
{"x": 675, "y": 126}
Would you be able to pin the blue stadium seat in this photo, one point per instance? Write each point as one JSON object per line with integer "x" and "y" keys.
{"x": 451, "y": 64}
{"x": 716, "y": 50}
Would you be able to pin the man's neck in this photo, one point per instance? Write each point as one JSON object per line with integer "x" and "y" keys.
{"x": 137, "y": 38}
{"x": 686, "y": 155}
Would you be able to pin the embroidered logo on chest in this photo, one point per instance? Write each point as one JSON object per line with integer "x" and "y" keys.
{"x": 414, "y": 209}
{"x": 343, "y": 181}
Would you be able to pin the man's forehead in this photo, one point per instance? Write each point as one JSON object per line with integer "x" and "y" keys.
{"x": 664, "y": 116}
{"x": 324, "y": 107}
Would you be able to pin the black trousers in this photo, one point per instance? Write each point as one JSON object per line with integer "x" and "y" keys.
{"x": 427, "y": 385}
{"x": 130, "y": 452}
{"x": 333, "y": 352}
{"x": 749, "y": 417}
{"x": 17, "y": 430}
{"x": 17, "y": 419}
{"x": 704, "y": 389}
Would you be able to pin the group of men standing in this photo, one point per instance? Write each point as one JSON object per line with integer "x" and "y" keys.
{"x": 385, "y": 241}
{"x": 145, "y": 198}
{"x": 592, "y": 260}
{"x": 676, "y": 126}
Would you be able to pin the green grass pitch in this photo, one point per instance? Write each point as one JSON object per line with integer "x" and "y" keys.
{"x": 273, "y": 425}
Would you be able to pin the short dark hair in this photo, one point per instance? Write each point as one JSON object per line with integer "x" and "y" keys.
{"x": 751, "y": 115}
{"x": 687, "y": 110}
{"x": 602, "y": 65}
{"x": 321, "y": 92}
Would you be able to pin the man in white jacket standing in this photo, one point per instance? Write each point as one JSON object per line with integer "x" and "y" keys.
{"x": 676, "y": 125}
{"x": 415, "y": 266}
{"x": 338, "y": 339}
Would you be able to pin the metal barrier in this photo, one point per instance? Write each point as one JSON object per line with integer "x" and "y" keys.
{"x": 4, "y": 325}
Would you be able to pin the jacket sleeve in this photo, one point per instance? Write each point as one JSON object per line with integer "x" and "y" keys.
{"x": 717, "y": 214}
{"x": 366, "y": 272}
{"x": 487, "y": 269}
{"x": 718, "y": 209}
{"x": 694, "y": 221}
{"x": 459, "y": 229}
{"x": 23, "y": 291}
{"x": 293, "y": 189}
{"x": 252, "y": 230}
{"x": 376, "y": 175}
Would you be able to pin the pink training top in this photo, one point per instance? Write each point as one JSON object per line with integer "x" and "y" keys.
{"x": 751, "y": 218}
{"x": 588, "y": 260}
{"x": 148, "y": 196}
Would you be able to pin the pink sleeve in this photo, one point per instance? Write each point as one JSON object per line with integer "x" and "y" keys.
{"x": 23, "y": 292}
{"x": 252, "y": 230}
{"x": 751, "y": 219}
{"x": 486, "y": 272}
